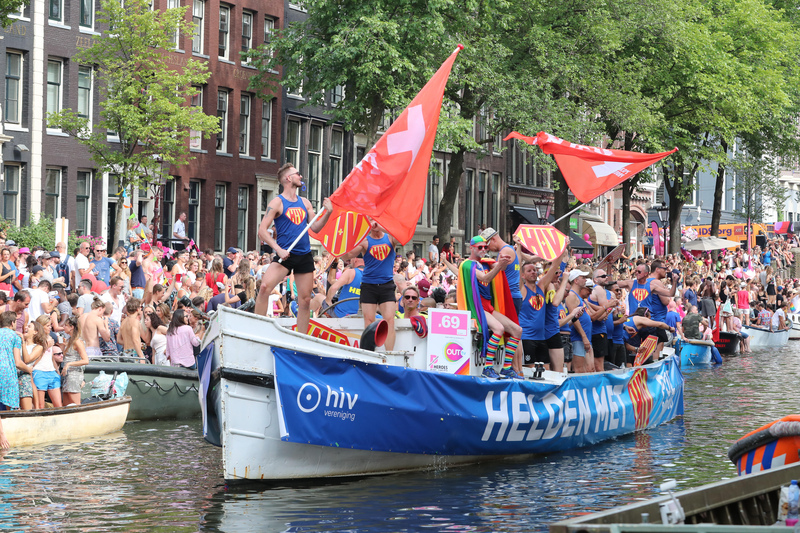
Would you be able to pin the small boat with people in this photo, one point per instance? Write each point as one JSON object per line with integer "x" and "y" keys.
{"x": 765, "y": 337}
{"x": 73, "y": 422}
{"x": 283, "y": 405}
{"x": 157, "y": 392}
{"x": 696, "y": 352}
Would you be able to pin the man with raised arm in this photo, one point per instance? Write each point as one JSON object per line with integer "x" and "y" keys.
{"x": 291, "y": 214}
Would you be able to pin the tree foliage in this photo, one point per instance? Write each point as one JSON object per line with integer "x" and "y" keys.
{"x": 144, "y": 100}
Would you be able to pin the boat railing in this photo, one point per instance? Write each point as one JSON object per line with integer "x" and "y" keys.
{"x": 118, "y": 359}
{"x": 737, "y": 505}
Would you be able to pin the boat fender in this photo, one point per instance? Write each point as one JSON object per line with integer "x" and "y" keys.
{"x": 374, "y": 335}
{"x": 715, "y": 356}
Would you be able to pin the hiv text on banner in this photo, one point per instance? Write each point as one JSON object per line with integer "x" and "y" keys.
{"x": 545, "y": 241}
{"x": 343, "y": 231}
{"x": 588, "y": 170}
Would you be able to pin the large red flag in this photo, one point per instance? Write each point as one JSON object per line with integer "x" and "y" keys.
{"x": 588, "y": 170}
{"x": 388, "y": 185}
{"x": 343, "y": 231}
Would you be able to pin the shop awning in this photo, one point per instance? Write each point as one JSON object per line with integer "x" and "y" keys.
{"x": 577, "y": 243}
{"x": 529, "y": 214}
{"x": 600, "y": 233}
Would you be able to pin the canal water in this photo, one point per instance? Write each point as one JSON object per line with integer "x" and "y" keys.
{"x": 162, "y": 476}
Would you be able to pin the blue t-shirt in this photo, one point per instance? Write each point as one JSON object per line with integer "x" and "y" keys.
{"x": 672, "y": 318}
{"x": 138, "y": 280}
{"x": 103, "y": 267}
{"x": 379, "y": 260}
{"x": 290, "y": 223}
{"x": 512, "y": 274}
{"x": 350, "y": 290}
{"x": 767, "y": 258}
{"x": 226, "y": 263}
{"x": 690, "y": 297}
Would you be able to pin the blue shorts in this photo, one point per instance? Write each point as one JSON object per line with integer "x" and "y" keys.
{"x": 578, "y": 349}
{"x": 46, "y": 380}
{"x": 744, "y": 335}
{"x": 137, "y": 293}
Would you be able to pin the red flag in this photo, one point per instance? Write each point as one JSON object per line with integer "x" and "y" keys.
{"x": 388, "y": 185}
{"x": 343, "y": 231}
{"x": 545, "y": 241}
{"x": 588, "y": 170}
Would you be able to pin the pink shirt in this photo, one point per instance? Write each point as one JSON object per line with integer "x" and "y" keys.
{"x": 743, "y": 299}
{"x": 179, "y": 346}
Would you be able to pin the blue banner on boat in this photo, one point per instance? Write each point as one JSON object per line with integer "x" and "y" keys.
{"x": 350, "y": 404}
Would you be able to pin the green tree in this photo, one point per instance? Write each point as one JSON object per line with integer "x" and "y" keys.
{"x": 10, "y": 6}
{"x": 145, "y": 101}
{"x": 757, "y": 190}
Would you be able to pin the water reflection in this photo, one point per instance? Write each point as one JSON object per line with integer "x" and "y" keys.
{"x": 161, "y": 476}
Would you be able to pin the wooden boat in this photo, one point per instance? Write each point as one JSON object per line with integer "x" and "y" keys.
{"x": 794, "y": 334}
{"x": 157, "y": 392}
{"x": 747, "y": 502}
{"x": 762, "y": 337}
{"x": 41, "y": 426}
{"x": 695, "y": 352}
{"x": 287, "y": 406}
{"x": 769, "y": 446}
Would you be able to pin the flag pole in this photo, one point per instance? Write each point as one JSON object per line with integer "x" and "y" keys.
{"x": 305, "y": 230}
{"x": 559, "y": 219}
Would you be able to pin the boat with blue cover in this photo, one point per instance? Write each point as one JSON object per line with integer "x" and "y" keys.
{"x": 288, "y": 406}
{"x": 695, "y": 352}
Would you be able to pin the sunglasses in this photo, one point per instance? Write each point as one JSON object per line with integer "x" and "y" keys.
{"x": 411, "y": 297}
{"x": 481, "y": 247}
{"x": 123, "y": 262}
{"x": 57, "y": 353}
{"x": 603, "y": 276}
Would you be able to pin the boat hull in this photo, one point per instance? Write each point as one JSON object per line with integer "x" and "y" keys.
{"x": 287, "y": 406}
{"x": 157, "y": 392}
{"x": 765, "y": 338}
{"x": 770, "y": 446}
{"x": 42, "y": 426}
{"x": 728, "y": 343}
{"x": 695, "y": 354}
{"x": 794, "y": 333}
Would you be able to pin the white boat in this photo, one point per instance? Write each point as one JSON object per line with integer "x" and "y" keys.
{"x": 761, "y": 337}
{"x": 794, "y": 333}
{"x": 41, "y": 426}
{"x": 286, "y": 406}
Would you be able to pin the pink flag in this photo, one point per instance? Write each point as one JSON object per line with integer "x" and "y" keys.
{"x": 656, "y": 238}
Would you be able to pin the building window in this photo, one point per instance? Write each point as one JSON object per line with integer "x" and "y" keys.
{"x": 247, "y": 34}
{"x": 52, "y": 188}
{"x": 53, "y": 86}
{"x": 55, "y": 10}
{"x": 168, "y": 208}
{"x": 224, "y": 34}
{"x": 269, "y": 29}
{"x": 11, "y": 193}
{"x": 195, "y": 136}
{"x": 480, "y": 217}
{"x": 222, "y": 115}
{"x": 85, "y": 92}
{"x": 496, "y": 179}
{"x": 87, "y": 13}
{"x": 314, "y": 164}
{"x": 337, "y": 95}
{"x": 112, "y": 201}
{"x": 436, "y": 189}
{"x": 219, "y": 217}
{"x": 13, "y": 102}
{"x": 266, "y": 128}
{"x": 198, "y": 32}
{"x": 82, "y": 201}
{"x": 337, "y": 148}
{"x": 468, "y": 204}
{"x": 293, "y": 143}
{"x": 193, "y": 215}
{"x": 241, "y": 218}
{"x": 244, "y": 125}
{"x": 174, "y": 38}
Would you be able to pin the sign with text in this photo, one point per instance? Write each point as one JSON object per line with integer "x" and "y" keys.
{"x": 545, "y": 241}
{"x": 449, "y": 342}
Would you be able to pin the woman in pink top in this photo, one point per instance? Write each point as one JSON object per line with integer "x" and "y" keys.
{"x": 743, "y": 302}
{"x": 181, "y": 340}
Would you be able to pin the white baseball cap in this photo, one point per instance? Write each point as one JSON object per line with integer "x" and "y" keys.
{"x": 576, "y": 273}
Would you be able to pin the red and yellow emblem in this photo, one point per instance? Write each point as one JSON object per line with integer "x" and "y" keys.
{"x": 536, "y": 302}
{"x": 640, "y": 294}
{"x": 296, "y": 215}
{"x": 315, "y": 329}
{"x": 380, "y": 251}
{"x": 641, "y": 398}
{"x": 545, "y": 241}
{"x": 343, "y": 231}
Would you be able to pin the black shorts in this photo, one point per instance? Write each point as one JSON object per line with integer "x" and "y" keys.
{"x": 600, "y": 345}
{"x": 299, "y": 264}
{"x": 539, "y": 351}
{"x": 619, "y": 355}
{"x": 375, "y": 293}
{"x": 660, "y": 334}
{"x": 567, "y": 345}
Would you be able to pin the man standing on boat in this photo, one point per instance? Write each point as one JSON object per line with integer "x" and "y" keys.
{"x": 581, "y": 327}
{"x": 498, "y": 323}
{"x": 350, "y": 284}
{"x": 291, "y": 214}
{"x": 377, "y": 283}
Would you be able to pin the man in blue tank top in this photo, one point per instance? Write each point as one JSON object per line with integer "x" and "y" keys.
{"x": 581, "y": 328}
{"x": 350, "y": 284}
{"x": 291, "y": 215}
{"x": 660, "y": 295}
{"x": 503, "y": 249}
{"x": 377, "y": 284}
{"x": 601, "y": 303}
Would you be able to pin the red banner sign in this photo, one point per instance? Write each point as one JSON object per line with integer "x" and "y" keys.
{"x": 545, "y": 241}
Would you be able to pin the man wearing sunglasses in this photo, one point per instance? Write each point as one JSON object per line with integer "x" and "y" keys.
{"x": 600, "y": 304}
{"x": 498, "y": 323}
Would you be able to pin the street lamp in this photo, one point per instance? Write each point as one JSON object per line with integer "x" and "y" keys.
{"x": 663, "y": 215}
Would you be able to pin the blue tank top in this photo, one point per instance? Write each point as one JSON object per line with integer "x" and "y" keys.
{"x": 351, "y": 290}
{"x": 619, "y": 330}
{"x": 550, "y": 318}
{"x": 484, "y": 289}
{"x": 639, "y": 295}
{"x": 658, "y": 311}
{"x": 532, "y": 315}
{"x": 562, "y": 314}
{"x": 290, "y": 223}
{"x": 598, "y": 326}
{"x": 585, "y": 320}
{"x": 626, "y": 336}
{"x": 379, "y": 260}
{"x": 512, "y": 274}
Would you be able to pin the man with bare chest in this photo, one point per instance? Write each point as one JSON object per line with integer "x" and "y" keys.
{"x": 130, "y": 335}
{"x": 93, "y": 325}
